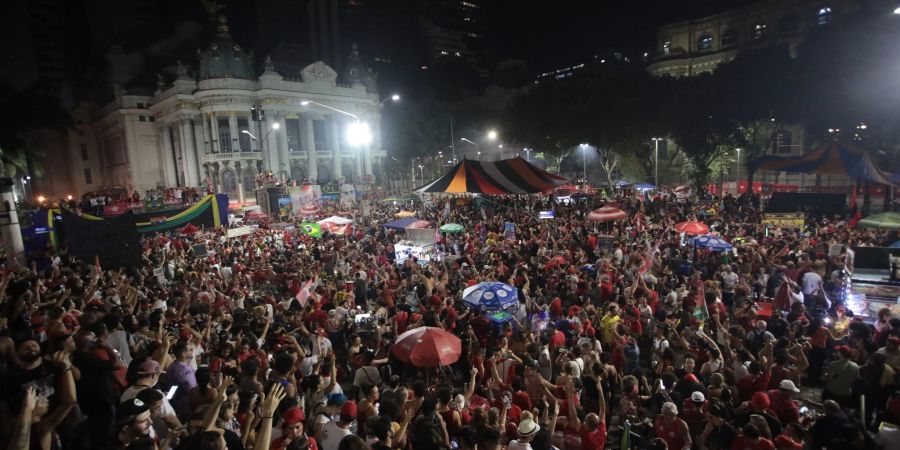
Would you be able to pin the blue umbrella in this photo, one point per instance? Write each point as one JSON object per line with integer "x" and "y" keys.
{"x": 711, "y": 242}
{"x": 491, "y": 296}
{"x": 643, "y": 186}
{"x": 895, "y": 245}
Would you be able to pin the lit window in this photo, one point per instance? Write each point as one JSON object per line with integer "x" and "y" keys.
{"x": 443, "y": 52}
{"x": 456, "y": 53}
{"x": 759, "y": 30}
{"x": 705, "y": 42}
{"x": 824, "y": 16}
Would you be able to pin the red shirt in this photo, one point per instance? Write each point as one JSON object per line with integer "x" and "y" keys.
{"x": 593, "y": 440}
{"x": 785, "y": 408}
{"x": 558, "y": 339}
{"x": 748, "y": 385}
{"x": 742, "y": 443}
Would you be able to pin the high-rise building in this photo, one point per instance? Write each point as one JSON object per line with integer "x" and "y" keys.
{"x": 456, "y": 29}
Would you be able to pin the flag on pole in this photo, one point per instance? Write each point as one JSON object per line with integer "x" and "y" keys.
{"x": 856, "y": 213}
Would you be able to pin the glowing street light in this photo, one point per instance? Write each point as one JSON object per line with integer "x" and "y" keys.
{"x": 656, "y": 161}
{"x": 358, "y": 134}
{"x": 584, "y": 148}
{"x": 492, "y": 134}
{"x": 897, "y": 10}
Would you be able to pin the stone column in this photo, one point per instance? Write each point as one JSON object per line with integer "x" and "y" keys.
{"x": 336, "y": 148}
{"x": 189, "y": 154}
{"x": 207, "y": 135}
{"x": 284, "y": 158}
{"x": 367, "y": 160}
{"x": 233, "y": 128}
{"x": 170, "y": 169}
{"x": 312, "y": 160}
{"x": 9, "y": 223}
{"x": 270, "y": 146}
{"x": 214, "y": 134}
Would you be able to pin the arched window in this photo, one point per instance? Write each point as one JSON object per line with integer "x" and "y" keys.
{"x": 249, "y": 179}
{"x": 297, "y": 173}
{"x": 729, "y": 37}
{"x": 229, "y": 180}
{"x": 759, "y": 30}
{"x": 705, "y": 42}
{"x": 824, "y": 15}
{"x": 789, "y": 23}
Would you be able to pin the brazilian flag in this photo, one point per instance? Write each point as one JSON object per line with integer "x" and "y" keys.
{"x": 312, "y": 229}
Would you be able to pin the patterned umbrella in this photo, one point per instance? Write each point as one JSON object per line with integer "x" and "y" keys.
{"x": 711, "y": 242}
{"x": 452, "y": 228}
{"x": 309, "y": 209}
{"x": 491, "y": 296}
{"x": 427, "y": 347}
{"x": 606, "y": 213}
{"x": 693, "y": 228}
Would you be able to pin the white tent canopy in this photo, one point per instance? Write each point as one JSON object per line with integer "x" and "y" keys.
{"x": 337, "y": 220}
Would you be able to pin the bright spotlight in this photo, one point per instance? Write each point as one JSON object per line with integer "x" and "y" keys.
{"x": 358, "y": 134}
{"x": 492, "y": 135}
{"x": 395, "y": 97}
{"x": 276, "y": 126}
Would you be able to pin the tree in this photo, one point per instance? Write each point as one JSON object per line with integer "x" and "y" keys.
{"x": 24, "y": 114}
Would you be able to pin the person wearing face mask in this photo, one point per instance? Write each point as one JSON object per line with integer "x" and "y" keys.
{"x": 148, "y": 373}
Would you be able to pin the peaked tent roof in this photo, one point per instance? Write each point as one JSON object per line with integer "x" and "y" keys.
{"x": 832, "y": 158}
{"x": 508, "y": 176}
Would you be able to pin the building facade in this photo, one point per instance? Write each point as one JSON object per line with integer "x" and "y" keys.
{"x": 223, "y": 126}
{"x": 696, "y": 46}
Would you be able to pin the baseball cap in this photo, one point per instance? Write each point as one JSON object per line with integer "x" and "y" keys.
{"x": 527, "y": 428}
{"x": 692, "y": 378}
{"x": 336, "y": 399}
{"x": 149, "y": 367}
{"x": 348, "y": 411}
{"x": 698, "y": 397}
{"x": 845, "y": 351}
{"x": 293, "y": 415}
{"x": 760, "y": 400}
{"x": 788, "y": 385}
{"x": 128, "y": 409}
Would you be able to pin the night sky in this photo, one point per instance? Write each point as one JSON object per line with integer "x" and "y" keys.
{"x": 553, "y": 34}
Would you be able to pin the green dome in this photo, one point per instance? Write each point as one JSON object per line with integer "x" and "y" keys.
{"x": 225, "y": 58}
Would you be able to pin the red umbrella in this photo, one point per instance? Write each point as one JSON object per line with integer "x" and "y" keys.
{"x": 606, "y": 213}
{"x": 691, "y": 227}
{"x": 427, "y": 347}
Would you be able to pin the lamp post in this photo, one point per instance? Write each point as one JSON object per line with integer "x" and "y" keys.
{"x": 738, "y": 168}
{"x": 584, "y": 162}
{"x": 656, "y": 161}
{"x": 477, "y": 147}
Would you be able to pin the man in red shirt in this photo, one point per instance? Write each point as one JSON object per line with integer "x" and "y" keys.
{"x": 593, "y": 430}
{"x": 781, "y": 401}
{"x": 750, "y": 439}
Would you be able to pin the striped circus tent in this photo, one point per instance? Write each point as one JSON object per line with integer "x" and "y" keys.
{"x": 508, "y": 176}
{"x": 832, "y": 158}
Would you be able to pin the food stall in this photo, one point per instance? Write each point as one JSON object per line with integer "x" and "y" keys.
{"x": 868, "y": 284}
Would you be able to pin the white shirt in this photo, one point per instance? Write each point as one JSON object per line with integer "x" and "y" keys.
{"x": 811, "y": 282}
{"x": 730, "y": 279}
{"x": 330, "y": 436}
{"x": 516, "y": 445}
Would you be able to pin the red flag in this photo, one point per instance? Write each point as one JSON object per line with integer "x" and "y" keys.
{"x": 97, "y": 267}
{"x": 856, "y": 214}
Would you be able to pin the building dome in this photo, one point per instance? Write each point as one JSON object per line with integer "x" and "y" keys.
{"x": 225, "y": 58}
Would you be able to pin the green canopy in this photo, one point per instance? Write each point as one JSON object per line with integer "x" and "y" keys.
{"x": 885, "y": 221}
{"x": 311, "y": 229}
{"x": 451, "y": 228}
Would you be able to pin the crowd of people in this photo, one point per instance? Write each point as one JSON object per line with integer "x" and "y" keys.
{"x": 624, "y": 337}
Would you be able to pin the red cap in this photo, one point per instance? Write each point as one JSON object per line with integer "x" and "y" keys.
{"x": 293, "y": 415}
{"x": 691, "y": 377}
{"x": 415, "y": 317}
{"x": 591, "y": 332}
{"x": 784, "y": 442}
{"x": 348, "y": 411}
{"x": 894, "y": 340}
{"x": 760, "y": 400}
{"x": 845, "y": 351}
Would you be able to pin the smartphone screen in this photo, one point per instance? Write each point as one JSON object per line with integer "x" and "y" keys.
{"x": 171, "y": 394}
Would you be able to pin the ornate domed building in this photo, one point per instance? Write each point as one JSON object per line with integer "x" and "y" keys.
{"x": 221, "y": 121}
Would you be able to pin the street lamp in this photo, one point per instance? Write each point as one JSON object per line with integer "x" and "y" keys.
{"x": 492, "y": 134}
{"x": 527, "y": 153}
{"x": 477, "y": 147}
{"x": 897, "y": 10}
{"x": 584, "y": 162}
{"x": 738, "y": 170}
{"x": 275, "y": 126}
{"x": 656, "y": 161}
